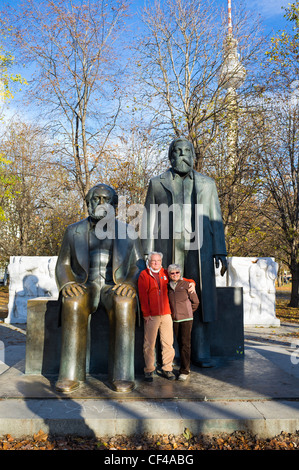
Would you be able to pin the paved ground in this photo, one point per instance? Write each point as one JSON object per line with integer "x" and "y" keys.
{"x": 258, "y": 393}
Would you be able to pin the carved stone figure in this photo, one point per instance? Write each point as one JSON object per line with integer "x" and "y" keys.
{"x": 30, "y": 277}
{"x": 257, "y": 278}
{"x": 98, "y": 265}
{"x": 189, "y": 233}
{"x": 262, "y": 275}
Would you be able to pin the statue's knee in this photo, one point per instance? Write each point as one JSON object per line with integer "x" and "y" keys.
{"x": 124, "y": 302}
{"x": 76, "y": 304}
{"x": 123, "y": 311}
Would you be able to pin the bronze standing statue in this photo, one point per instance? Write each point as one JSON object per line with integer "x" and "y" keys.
{"x": 96, "y": 267}
{"x": 190, "y": 234}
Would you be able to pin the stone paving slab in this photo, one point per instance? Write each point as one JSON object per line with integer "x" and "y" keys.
{"x": 263, "y": 373}
{"x": 257, "y": 393}
{"x": 106, "y": 418}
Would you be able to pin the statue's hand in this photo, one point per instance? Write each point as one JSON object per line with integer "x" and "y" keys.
{"x": 223, "y": 261}
{"x": 73, "y": 290}
{"x": 124, "y": 290}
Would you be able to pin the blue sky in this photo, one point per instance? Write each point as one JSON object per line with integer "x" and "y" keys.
{"x": 270, "y": 10}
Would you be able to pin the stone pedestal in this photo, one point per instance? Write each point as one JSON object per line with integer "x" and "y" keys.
{"x": 227, "y": 334}
{"x": 44, "y": 335}
{"x": 43, "y": 344}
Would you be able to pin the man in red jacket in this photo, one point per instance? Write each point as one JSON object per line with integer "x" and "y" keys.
{"x": 154, "y": 302}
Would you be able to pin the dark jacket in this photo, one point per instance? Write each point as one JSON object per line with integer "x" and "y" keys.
{"x": 182, "y": 303}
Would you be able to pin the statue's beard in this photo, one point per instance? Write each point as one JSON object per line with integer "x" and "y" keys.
{"x": 182, "y": 167}
{"x": 101, "y": 211}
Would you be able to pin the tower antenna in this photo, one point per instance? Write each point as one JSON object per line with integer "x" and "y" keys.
{"x": 230, "y": 24}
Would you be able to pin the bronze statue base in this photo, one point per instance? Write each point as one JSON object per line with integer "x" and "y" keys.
{"x": 122, "y": 386}
{"x": 67, "y": 385}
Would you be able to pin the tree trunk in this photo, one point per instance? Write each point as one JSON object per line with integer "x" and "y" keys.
{"x": 294, "y": 302}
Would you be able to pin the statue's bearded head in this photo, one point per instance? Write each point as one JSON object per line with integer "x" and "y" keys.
{"x": 100, "y": 200}
{"x": 181, "y": 155}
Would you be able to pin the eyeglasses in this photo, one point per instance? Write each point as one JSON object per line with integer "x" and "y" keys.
{"x": 175, "y": 272}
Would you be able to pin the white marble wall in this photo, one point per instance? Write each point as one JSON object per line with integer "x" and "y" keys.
{"x": 257, "y": 277}
{"x": 29, "y": 277}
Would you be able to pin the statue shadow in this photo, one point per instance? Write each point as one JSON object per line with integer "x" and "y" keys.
{"x": 57, "y": 415}
{"x": 12, "y": 346}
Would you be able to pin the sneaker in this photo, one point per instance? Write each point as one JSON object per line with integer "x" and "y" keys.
{"x": 183, "y": 377}
{"x": 148, "y": 376}
{"x": 168, "y": 374}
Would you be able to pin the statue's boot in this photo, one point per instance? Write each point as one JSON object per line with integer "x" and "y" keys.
{"x": 74, "y": 318}
{"x": 121, "y": 371}
{"x": 67, "y": 385}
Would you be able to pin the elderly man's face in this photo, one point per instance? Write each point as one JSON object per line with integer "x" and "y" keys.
{"x": 100, "y": 202}
{"x": 155, "y": 262}
{"x": 182, "y": 157}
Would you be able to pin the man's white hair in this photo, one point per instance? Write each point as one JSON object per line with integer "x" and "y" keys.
{"x": 154, "y": 253}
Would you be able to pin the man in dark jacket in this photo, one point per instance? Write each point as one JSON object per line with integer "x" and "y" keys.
{"x": 183, "y": 304}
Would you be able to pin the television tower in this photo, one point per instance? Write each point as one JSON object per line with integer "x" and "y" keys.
{"x": 232, "y": 76}
{"x": 230, "y": 24}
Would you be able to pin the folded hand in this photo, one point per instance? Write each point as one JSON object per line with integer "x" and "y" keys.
{"x": 124, "y": 290}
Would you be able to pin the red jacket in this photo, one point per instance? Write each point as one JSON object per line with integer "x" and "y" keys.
{"x": 152, "y": 300}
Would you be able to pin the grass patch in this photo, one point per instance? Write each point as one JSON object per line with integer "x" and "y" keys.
{"x": 285, "y": 313}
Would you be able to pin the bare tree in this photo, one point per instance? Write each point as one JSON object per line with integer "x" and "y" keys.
{"x": 137, "y": 158}
{"x": 42, "y": 200}
{"x": 279, "y": 164}
{"x": 179, "y": 60}
{"x": 70, "y": 45}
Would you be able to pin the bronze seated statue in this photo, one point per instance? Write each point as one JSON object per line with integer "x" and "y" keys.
{"x": 98, "y": 267}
